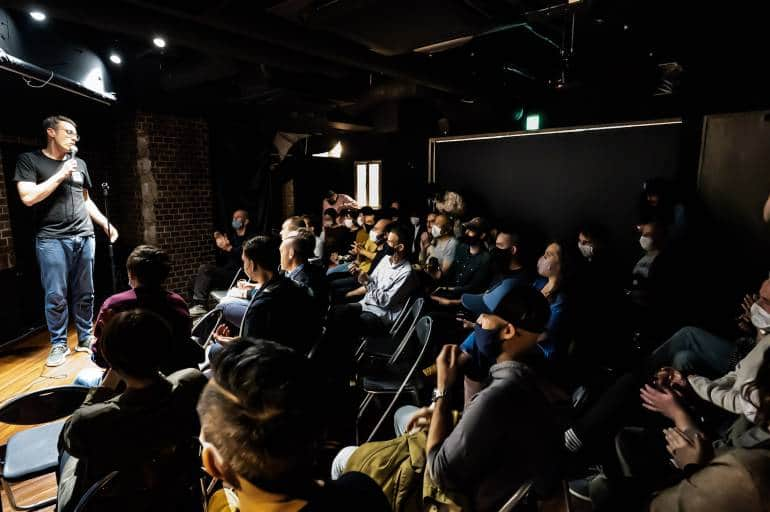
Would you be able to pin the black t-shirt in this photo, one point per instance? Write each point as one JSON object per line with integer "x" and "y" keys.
{"x": 63, "y": 213}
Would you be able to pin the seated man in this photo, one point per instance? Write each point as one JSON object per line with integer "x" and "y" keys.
{"x": 261, "y": 423}
{"x": 218, "y": 276}
{"x": 295, "y": 253}
{"x": 138, "y": 422}
{"x": 470, "y": 272}
{"x": 272, "y": 310}
{"x": 345, "y": 286}
{"x": 439, "y": 255}
{"x": 385, "y": 292}
{"x": 696, "y": 353}
{"x": 291, "y": 225}
{"x": 147, "y": 269}
{"x": 507, "y": 435}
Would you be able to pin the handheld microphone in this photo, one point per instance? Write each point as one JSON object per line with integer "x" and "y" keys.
{"x": 77, "y": 176}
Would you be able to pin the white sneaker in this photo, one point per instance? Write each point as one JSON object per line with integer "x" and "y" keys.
{"x": 57, "y": 355}
{"x": 198, "y": 310}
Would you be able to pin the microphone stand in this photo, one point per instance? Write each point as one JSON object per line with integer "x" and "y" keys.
{"x": 110, "y": 250}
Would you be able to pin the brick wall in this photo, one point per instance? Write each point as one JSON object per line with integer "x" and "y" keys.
{"x": 164, "y": 193}
{"x": 7, "y": 256}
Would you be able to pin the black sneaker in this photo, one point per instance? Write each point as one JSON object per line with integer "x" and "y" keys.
{"x": 84, "y": 345}
{"x": 57, "y": 355}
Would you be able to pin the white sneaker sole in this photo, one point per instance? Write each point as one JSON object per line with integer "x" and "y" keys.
{"x": 82, "y": 349}
{"x": 58, "y": 363}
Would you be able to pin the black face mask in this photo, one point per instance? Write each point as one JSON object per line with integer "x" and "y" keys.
{"x": 332, "y": 202}
{"x": 390, "y": 251}
{"x": 501, "y": 258}
{"x": 368, "y": 227}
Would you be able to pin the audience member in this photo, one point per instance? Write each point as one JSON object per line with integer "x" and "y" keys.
{"x": 337, "y": 202}
{"x": 478, "y": 458}
{"x": 471, "y": 269}
{"x": 345, "y": 287}
{"x": 385, "y": 292}
{"x": 272, "y": 310}
{"x": 439, "y": 255}
{"x": 138, "y": 422}
{"x": 220, "y": 275}
{"x": 295, "y": 252}
{"x": 551, "y": 271}
{"x": 261, "y": 424}
{"x": 147, "y": 269}
{"x": 291, "y": 225}
{"x": 312, "y": 225}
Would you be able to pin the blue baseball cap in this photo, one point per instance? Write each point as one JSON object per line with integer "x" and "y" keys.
{"x": 486, "y": 303}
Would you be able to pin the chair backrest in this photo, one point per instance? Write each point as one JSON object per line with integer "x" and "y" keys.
{"x": 405, "y": 331}
{"x": 234, "y": 282}
{"x": 43, "y": 405}
{"x": 203, "y": 330}
{"x": 401, "y": 316}
{"x": 94, "y": 490}
{"x": 517, "y": 496}
{"x": 422, "y": 333}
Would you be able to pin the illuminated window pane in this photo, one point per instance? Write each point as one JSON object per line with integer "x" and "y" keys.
{"x": 374, "y": 185}
{"x": 361, "y": 184}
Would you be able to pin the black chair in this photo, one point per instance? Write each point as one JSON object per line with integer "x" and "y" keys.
{"x": 33, "y": 452}
{"x": 93, "y": 491}
{"x": 217, "y": 295}
{"x": 386, "y": 345}
{"x": 397, "y": 383}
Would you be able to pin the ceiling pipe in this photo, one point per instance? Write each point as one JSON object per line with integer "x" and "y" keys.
{"x": 46, "y": 77}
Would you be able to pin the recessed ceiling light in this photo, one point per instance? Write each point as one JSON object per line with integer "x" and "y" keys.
{"x": 37, "y": 15}
{"x": 115, "y": 58}
{"x": 159, "y": 42}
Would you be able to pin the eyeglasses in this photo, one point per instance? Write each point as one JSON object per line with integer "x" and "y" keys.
{"x": 72, "y": 133}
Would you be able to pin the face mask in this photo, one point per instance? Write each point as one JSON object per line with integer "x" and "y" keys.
{"x": 646, "y": 242}
{"x": 759, "y": 317}
{"x": 348, "y": 223}
{"x": 415, "y": 221}
{"x": 501, "y": 258}
{"x": 237, "y": 223}
{"x": 368, "y": 227}
{"x": 327, "y": 224}
{"x": 544, "y": 267}
{"x": 488, "y": 341}
{"x": 587, "y": 250}
{"x": 360, "y": 221}
{"x": 435, "y": 231}
{"x": 390, "y": 251}
{"x": 373, "y": 236}
{"x": 332, "y": 201}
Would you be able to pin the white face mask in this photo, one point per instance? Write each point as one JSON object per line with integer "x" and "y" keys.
{"x": 587, "y": 250}
{"x": 360, "y": 220}
{"x": 373, "y": 236}
{"x": 348, "y": 223}
{"x": 646, "y": 243}
{"x": 414, "y": 220}
{"x": 435, "y": 231}
{"x": 759, "y": 317}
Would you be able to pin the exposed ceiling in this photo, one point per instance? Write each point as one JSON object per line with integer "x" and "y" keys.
{"x": 341, "y": 64}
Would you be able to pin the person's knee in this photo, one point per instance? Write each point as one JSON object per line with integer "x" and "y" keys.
{"x": 56, "y": 302}
{"x": 684, "y": 360}
{"x": 341, "y": 461}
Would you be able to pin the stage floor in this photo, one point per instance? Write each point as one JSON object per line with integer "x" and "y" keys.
{"x": 22, "y": 369}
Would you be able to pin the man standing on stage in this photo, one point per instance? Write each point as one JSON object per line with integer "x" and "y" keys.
{"x": 56, "y": 184}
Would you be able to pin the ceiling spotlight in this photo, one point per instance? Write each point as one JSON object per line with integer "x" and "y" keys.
{"x": 159, "y": 42}
{"x": 37, "y": 15}
{"x": 115, "y": 58}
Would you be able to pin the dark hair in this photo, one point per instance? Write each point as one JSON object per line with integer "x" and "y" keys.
{"x": 403, "y": 238}
{"x": 262, "y": 251}
{"x": 331, "y": 212}
{"x": 125, "y": 339}
{"x": 329, "y": 194}
{"x": 367, "y": 210}
{"x": 348, "y": 212}
{"x": 311, "y": 220}
{"x": 303, "y": 244}
{"x": 760, "y": 385}
{"x": 149, "y": 264}
{"x": 259, "y": 411}
{"x": 52, "y": 121}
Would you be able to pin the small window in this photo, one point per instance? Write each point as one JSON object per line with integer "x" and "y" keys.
{"x": 368, "y": 183}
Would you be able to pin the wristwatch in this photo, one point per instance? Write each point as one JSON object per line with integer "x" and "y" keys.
{"x": 438, "y": 394}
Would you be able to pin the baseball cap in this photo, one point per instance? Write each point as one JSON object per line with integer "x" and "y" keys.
{"x": 525, "y": 308}
{"x": 476, "y": 224}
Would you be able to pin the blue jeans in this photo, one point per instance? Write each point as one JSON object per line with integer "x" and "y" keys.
{"x": 694, "y": 350}
{"x": 66, "y": 273}
{"x": 343, "y": 267}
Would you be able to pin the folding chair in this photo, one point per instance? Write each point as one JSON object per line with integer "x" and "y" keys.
{"x": 397, "y": 384}
{"x": 218, "y": 295}
{"x": 386, "y": 345}
{"x": 517, "y": 496}
{"x": 34, "y": 452}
